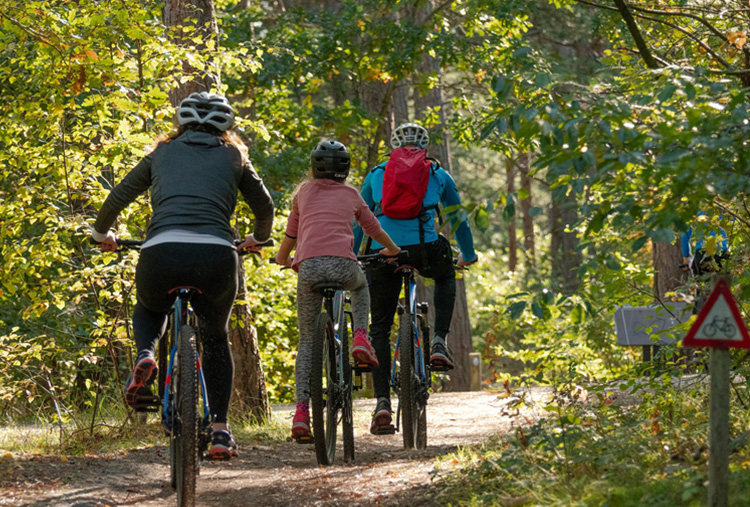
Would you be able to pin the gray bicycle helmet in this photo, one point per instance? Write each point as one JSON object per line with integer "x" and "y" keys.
{"x": 208, "y": 109}
{"x": 330, "y": 160}
{"x": 409, "y": 133}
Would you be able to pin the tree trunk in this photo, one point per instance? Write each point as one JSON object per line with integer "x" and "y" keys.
{"x": 200, "y": 16}
{"x": 668, "y": 276}
{"x": 529, "y": 248}
{"x": 564, "y": 254}
{"x": 249, "y": 393}
{"x": 460, "y": 342}
{"x": 249, "y": 387}
{"x": 510, "y": 179}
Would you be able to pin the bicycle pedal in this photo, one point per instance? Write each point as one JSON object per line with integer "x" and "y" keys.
{"x": 385, "y": 430}
{"x": 147, "y": 404}
{"x": 440, "y": 367}
{"x": 305, "y": 440}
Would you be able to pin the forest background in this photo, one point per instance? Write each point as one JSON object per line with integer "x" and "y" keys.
{"x": 584, "y": 136}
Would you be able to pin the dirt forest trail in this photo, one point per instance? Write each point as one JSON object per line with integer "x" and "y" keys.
{"x": 272, "y": 474}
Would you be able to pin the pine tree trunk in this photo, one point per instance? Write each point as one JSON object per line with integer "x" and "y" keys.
{"x": 529, "y": 247}
{"x": 182, "y": 13}
{"x": 510, "y": 180}
{"x": 564, "y": 254}
{"x": 667, "y": 273}
{"x": 249, "y": 394}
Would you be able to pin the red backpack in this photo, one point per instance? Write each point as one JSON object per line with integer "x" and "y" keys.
{"x": 407, "y": 174}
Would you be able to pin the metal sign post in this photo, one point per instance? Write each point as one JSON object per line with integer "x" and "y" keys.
{"x": 718, "y": 441}
{"x": 719, "y": 325}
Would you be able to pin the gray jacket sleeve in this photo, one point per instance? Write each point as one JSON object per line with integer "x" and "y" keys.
{"x": 137, "y": 181}
{"x": 256, "y": 195}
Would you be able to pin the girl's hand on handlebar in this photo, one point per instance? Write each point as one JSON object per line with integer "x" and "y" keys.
{"x": 283, "y": 261}
{"x": 390, "y": 252}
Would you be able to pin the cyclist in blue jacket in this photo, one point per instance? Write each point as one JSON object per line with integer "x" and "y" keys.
{"x": 432, "y": 256}
{"x": 701, "y": 262}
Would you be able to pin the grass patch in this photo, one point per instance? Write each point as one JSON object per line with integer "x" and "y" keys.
{"x": 118, "y": 433}
{"x": 598, "y": 454}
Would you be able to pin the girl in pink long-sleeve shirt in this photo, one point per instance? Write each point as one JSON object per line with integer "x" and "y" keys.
{"x": 320, "y": 226}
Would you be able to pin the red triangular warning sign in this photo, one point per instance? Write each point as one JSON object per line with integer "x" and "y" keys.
{"x": 719, "y": 323}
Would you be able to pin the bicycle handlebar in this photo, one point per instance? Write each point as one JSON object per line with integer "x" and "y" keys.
{"x": 135, "y": 244}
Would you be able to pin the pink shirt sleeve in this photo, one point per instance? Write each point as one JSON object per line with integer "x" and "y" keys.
{"x": 292, "y": 224}
{"x": 366, "y": 218}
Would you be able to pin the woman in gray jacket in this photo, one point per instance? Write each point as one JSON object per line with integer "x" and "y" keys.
{"x": 194, "y": 175}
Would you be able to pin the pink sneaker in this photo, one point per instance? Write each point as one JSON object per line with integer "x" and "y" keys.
{"x": 301, "y": 422}
{"x": 362, "y": 350}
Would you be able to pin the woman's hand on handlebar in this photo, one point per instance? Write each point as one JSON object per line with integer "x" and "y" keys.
{"x": 251, "y": 245}
{"x": 108, "y": 244}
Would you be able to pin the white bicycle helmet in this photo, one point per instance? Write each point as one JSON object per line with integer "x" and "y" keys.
{"x": 206, "y": 109}
{"x": 409, "y": 133}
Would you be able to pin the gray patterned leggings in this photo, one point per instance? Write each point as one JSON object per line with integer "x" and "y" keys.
{"x": 309, "y": 303}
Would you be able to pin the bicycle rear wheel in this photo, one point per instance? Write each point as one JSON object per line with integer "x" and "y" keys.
{"x": 183, "y": 448}
{"x": 347, "y": 409}
{"x": 323, "y": 393}
{"x": 420, "y": 433}
{"x": 407, "y": 380}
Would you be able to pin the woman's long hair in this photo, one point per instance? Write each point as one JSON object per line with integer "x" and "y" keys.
{"x": 230, "y": 136}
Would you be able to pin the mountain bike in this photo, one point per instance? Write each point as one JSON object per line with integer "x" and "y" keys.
{"x": 331, "y": 383}
{"x": 411, "y": 376}
{"x": 184, "y": 406}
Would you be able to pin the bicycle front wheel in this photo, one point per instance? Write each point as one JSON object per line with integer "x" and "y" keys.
{"x": 185, "y": 426}
{"x": 347, "y": 408}
{"x": 323, "y": 394}
{"x": 408, "y": 381}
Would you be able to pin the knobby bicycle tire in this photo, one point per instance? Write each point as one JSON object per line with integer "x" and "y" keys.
{"x": 347, "y": 416}
{"x": 420, "y": 435}
{"x": 322, "y": 392}
{"x": 185, "y": 431}
{"x": 407, "y": 379}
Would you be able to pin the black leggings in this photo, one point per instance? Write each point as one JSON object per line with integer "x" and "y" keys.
{"x": 385, "y": 285}
{"x": 213, "y": 270}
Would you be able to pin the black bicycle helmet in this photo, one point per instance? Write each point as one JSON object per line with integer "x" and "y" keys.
{"x": 330, "y": 160}
{"x": 206, "y": 109}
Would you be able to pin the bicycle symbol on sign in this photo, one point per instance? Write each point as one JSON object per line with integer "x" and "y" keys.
{"x": 722, "y": 325}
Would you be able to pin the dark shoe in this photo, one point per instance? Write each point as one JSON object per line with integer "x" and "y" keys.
{"x": 440, "y": 359}
{"x": 382, "y": 417}
{"x": 137, "y": 385}
{"x": 223, "y": 446}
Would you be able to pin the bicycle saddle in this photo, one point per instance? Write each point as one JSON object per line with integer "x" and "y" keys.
{"x": 325, "y": 284}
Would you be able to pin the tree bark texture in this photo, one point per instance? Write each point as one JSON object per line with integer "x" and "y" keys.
{"x": 249, "y": 393}
{"x": 460, "y": 342}
{"x": 529, "y": 246}
{"x": 510, "y": 179}
{"x": 668, "y": 276}
{"x": 200, "y": 16}
{"x": 564, "y": 254}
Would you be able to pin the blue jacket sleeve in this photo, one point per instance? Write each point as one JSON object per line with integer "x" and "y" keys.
{"x": 450, "y": 197}
{"x": 366, "y": 193}
{"x": 686, "y": 242}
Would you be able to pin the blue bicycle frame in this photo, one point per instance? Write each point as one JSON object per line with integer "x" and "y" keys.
{"x": 181, "y": 314}
{"x": 419, "y": 366}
